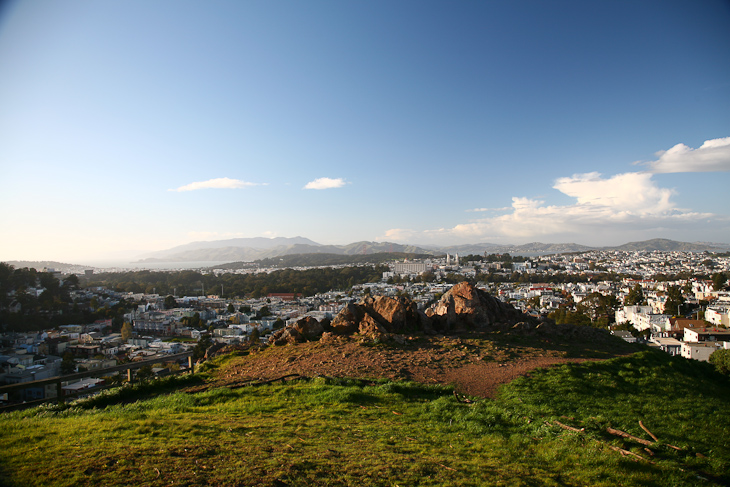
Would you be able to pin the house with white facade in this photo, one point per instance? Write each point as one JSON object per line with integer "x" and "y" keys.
{"x": 706, "y": 334}
{"x": 718, "y": 315}
{"x": 648, "y": 321}
{"x": 628, "y": 313}
{"x": 699, "y": 350}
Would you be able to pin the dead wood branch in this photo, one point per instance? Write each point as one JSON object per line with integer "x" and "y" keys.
{"x": 631, "y": 437}
{"x": 569, "y": 428}
{"x": 628, "y": 453}
{"x": 461, "y": 399}
{"x": 647, "y": 431}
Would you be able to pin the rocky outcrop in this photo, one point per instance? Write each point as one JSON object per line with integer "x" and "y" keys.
{"x": 461, "y": 308}
{"x": 309, "y": 328}
{"x": 395, "y": 314}
{"x": 347, "y": 320}
{"x": 465, "y": 306}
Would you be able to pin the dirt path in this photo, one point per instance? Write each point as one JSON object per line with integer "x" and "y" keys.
{"x": 475, "y": 367}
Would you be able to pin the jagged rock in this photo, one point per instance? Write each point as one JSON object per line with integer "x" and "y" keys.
{"x": 466, "y": 306}
{"x": 462, "y": 307}
{"x": 395, "y": 315}
{"x": 309, "y": 328}
{"x": 370, "y": 327}
{"x": 347, "y": 320}
{"x": 286, "y": 336}
{"x": 305, "y": 329}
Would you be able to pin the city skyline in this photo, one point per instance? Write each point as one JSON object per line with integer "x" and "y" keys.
{"x": 136, "y": 127}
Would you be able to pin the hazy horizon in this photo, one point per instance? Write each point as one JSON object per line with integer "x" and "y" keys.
{"x": 134, "y": 127}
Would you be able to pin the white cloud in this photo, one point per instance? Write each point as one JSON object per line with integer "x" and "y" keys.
{"x": 713, "y": 155}
{"x": 218, "y": 183}
{"x": 325, "y": 183}
{"x": 630, "y": 192}
{"x": 603, "y": 208}
{"x": 480, "y": 210}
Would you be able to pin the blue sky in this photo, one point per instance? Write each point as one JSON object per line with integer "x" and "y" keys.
{"x": 135, "y": 126}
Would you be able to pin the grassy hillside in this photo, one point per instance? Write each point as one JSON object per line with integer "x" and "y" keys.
{"x": 348, "y": 432}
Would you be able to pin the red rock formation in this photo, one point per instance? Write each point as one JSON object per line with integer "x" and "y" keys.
{"x": 466, "y": 306}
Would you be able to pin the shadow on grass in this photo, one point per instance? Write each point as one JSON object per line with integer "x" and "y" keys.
{"x": 129, "y": 393}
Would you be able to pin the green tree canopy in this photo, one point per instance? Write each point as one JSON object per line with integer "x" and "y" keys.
{"x": 126, "y": 331}
{"x": 674, "y": 301}
{"x": 635, "y": 296}
{"x": 718, "y": 281}
{"x": 721, "y": 360}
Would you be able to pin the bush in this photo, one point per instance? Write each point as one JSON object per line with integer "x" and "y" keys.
{"x": 721, "y": 360}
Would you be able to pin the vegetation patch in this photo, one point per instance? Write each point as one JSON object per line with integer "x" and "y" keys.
{"x": 556, "y": 427}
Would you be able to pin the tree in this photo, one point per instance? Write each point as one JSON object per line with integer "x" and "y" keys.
{"x": 170, "y": 302}
{"x": 144, "y": 373}
{"x": 68, "y": 365}
{"x": 231, "y": 309}
{"x": 563, "y": 316}
{"x": 599, "y": 307}
{"x": 635, "y": 296}
{"x": 718, "y": 281}
{"x": 126, "y": 331}
{"x": 721, "y": 360}
{"x": 72, "y": 281}
{"x": 674, "y": 301}
{"x": 204, "y": 343}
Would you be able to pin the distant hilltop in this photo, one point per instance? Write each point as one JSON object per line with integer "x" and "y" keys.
{"x": 255, "y": 249}
{"x": 250, "y": 249}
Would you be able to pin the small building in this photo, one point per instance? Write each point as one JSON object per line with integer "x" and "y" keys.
{"x": 81, "y": 385}
{"x": 625, "y": 335}
{"x": 699, "y": 351}
{"x": 706, "y": 335}
{"x": 672, "y": 346}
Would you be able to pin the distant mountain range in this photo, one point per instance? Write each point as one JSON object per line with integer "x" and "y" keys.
{"x": 250, "y": 249}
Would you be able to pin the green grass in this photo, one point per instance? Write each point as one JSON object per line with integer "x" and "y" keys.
{"x": 352, "y": 432}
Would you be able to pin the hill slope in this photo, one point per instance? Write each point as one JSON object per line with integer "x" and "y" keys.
{"x": 250, "y": 249}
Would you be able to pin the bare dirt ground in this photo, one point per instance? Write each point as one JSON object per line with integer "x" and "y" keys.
{"x": 476, "y": 364}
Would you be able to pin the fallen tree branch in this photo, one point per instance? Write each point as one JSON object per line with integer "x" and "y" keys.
{"x": 631, "y": 437}
{"x": 463, "y": 400}
{"x": 569, "y": 428}
{"x": 647, "y": 431}
{"x": 628, "y": 453}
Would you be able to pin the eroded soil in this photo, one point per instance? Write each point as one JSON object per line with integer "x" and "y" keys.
{"x": 475, "y": 363}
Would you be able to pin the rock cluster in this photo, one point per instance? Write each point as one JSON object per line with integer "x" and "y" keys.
{"x": 463, "y": 307}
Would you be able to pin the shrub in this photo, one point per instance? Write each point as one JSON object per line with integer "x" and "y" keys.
{"x": 721, "y": 360}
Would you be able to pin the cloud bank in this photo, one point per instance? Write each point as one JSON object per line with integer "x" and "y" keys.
{"x": 325, "y": 183}
{"x": 713, "y": 155}
{"x": 602, "y": 208}
{"x": 218, "y": 183}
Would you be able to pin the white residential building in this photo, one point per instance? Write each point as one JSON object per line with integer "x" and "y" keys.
{"x": 718, "y": 315}
{"x": 628, "y": 313}
{"x": 699, "y": 351}
{"x": 647, "y": 321}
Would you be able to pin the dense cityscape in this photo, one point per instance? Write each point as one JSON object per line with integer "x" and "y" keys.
{"x": 675, "y": 301}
